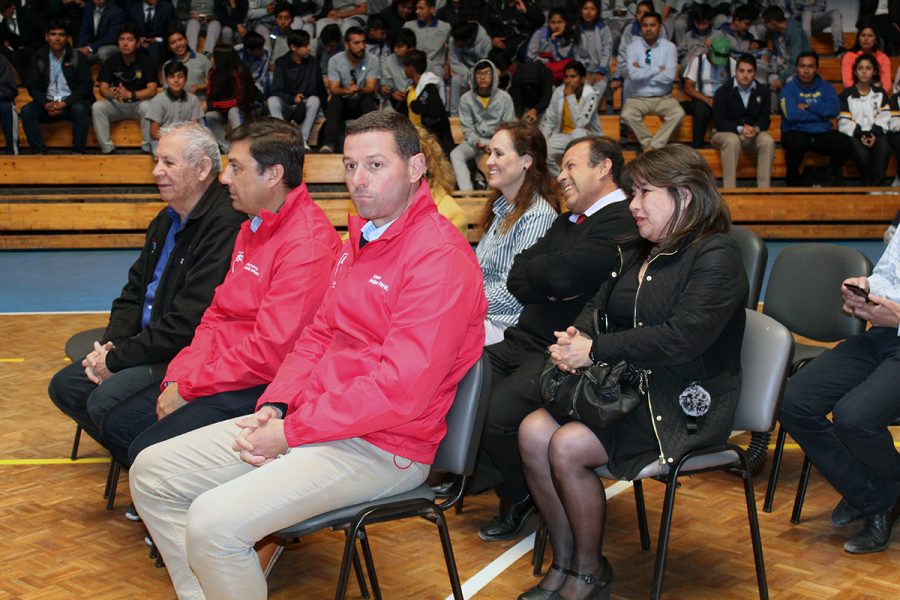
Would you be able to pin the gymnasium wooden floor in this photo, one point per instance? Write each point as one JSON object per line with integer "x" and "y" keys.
{"x": 58, "y": 541}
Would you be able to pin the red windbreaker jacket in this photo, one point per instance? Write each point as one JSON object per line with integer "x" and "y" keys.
{"x": 400, "y": 325}
{"x": 277, "y": 279}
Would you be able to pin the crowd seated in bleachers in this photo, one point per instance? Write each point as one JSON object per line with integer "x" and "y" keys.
{"x": 530, "y": 50}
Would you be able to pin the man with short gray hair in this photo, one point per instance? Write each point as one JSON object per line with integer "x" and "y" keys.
{"x": 185, "y": 256}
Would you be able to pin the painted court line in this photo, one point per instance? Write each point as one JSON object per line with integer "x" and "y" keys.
{"x": 52, "y": 461}
{"x": 12, "y": 360}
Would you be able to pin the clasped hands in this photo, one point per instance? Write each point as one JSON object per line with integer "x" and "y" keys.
{"x": 261, "y": 438}
{"x": 571, "y": 351}
{"x": 95, "y": 363}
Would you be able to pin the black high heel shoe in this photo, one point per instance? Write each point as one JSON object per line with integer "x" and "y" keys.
{"x": 602, "y": 582}
{"x": 539, "y": 593}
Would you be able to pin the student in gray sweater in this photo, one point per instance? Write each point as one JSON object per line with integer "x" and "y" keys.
{"x": 481, "y": 110}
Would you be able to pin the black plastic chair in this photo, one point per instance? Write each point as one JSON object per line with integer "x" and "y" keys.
{"x": 755, "y": 254}
{"x": 804, "y": 295}
{"x": 77, "y": 347}
{"x": 456, "y": 454}
{"x": 765, "y": 357}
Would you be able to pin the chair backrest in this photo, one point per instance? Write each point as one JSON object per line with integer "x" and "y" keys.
{"x": 755, "y": 254}
{"x": 765, "y": 359}
{"x": 465, "y": 421}
{"x": 804, "y": 291}
{"x": 81, "y": 344}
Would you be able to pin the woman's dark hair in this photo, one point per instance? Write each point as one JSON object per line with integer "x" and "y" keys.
{"x": 876, "y": 80}
{"x": 527, "y": 140}
{"x": 681, "y": 170}
{"x": 568, "y": 36}
{"x": 581, "y": 4}
{"x": 857, "y": 47}
{"x": 230, "y": 78}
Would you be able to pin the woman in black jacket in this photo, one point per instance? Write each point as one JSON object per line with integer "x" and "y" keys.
{"x": 675, "y": 308}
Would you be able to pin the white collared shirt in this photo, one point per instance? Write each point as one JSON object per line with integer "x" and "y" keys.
{"x": 616, "y": 195}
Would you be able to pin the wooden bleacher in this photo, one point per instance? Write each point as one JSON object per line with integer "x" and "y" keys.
{"x": 73, "y": 219}
{"x": 67, "y": 217}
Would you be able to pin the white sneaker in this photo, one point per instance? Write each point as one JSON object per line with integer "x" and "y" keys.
{"x": 896, "y": 182}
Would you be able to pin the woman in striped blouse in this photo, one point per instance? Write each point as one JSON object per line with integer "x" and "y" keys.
{"x": 526, "y": 201}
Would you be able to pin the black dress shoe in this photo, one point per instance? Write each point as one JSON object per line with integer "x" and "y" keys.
{"x": 844, "y": 513}
{"x": 875, "y": 535}
{"x": 539, "y": 593}
{"x": 601, "y": 581}
{"x": 445, "y": 488}
{"x": 509, "y": 523}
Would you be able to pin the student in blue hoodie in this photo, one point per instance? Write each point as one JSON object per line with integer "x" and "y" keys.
{"x": 808, "y": 103}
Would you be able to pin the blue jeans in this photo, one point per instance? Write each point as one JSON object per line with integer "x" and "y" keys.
{"x": 859, "y": 383}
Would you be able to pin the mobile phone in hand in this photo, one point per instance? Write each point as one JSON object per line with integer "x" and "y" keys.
{"x": 859, "y": 292}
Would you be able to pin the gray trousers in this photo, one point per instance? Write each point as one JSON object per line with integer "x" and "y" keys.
{"x": 276, "y": 109}
{"x": 817, "y": 19}
{"x": 730, "y": 145}
{"x": 638, "y": 107}
{"x": 459, "y": 156}
{"x": 104, "y": 112}
{"x": 205, "y": 508}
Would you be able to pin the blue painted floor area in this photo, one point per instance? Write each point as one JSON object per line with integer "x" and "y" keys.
{"x": 89, "y": 280}
{"x": 64, "y": 280}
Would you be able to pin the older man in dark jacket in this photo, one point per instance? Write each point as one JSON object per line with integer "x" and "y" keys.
{"x": 185, "y": 256}
{"x": 59, "y": 82}
{"x": 741, "y": 111}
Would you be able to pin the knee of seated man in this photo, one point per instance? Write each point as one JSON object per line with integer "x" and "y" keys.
{"x": 850, "y": 421}
{"x": 211, "y": 524}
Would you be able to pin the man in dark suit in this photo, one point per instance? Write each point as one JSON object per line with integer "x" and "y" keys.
{"x": 740, "y": 110}
{"x": 99, "y": 33}
{"x": 21, "y": 34}
{"x": 59, "y": 82}
{"x": 154, "y": 18}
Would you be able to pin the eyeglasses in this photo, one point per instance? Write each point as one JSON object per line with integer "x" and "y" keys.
{"x": 647, "y": 57}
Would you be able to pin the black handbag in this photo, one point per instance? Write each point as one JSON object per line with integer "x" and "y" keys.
{"x": 599, "y": 395}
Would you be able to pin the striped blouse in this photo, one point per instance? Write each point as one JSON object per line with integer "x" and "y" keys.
{"x": 497, "y": 250}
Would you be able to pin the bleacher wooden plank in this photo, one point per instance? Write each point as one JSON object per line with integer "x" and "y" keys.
{"x": 46, "y": 216}
{"x": 817, "y": 232}
{"x": 71, "y": 241}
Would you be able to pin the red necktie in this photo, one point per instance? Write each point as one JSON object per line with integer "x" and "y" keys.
{"x": 581, "y": 218}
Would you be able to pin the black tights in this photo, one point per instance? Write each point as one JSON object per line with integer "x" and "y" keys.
{"x": 559, "y": 468}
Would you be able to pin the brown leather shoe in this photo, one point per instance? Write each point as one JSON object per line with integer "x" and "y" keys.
{"x": 268, "y": 550}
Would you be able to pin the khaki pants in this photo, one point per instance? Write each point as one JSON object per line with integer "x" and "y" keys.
{"x": 730, "y": 146}
{"x": 205, "y": 508}
{"x": 638, "y": 107}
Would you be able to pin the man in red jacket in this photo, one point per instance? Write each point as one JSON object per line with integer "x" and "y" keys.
{"x": 358, "y": 407}
{"x": 280, "y": 268}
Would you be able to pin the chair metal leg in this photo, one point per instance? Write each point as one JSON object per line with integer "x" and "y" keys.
{"x": 109, "y": 475}
{"x": 448, "y": 555}
{"x": 801, "y": 490}
{"x": 776, "y": 470}
{"x": 112, "y": 483}
{"x": 541, "y": 535}
{"x": 665, "y": 526}
{"x": 370, "y": 564}
{"x": 641, "y": 514}
{"x": 75, "y": 442}
{"x": 753, "y": 519}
